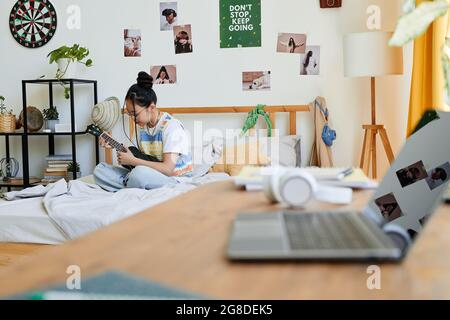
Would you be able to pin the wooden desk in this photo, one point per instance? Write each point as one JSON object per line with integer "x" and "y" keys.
{"x": 182, "y": 243}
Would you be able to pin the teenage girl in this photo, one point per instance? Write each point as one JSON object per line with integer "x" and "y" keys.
{"x": 161, "y": 136}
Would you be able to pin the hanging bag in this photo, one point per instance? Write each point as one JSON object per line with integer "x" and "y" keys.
{"x": 328, "y": 134}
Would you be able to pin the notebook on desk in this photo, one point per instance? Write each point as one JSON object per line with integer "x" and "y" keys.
{"x": 252, "y": 178}
{"x": 329, "y": 174}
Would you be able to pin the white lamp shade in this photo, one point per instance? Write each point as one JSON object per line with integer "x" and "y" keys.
{"x": 368, "y": 55}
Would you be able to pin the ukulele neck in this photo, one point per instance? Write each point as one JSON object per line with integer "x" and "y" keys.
{"x": 113, "y": 143}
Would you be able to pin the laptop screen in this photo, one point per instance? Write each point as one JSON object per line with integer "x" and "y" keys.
{"x": 416, "y": 182}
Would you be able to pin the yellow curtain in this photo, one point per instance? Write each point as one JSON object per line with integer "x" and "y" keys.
{"x": 427, "y": 86}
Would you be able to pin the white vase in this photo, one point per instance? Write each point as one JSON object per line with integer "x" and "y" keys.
{"x": 67, "y": 68}
{"x": 50, "y": 124}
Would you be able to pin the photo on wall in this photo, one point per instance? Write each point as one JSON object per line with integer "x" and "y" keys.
{"x": 310, "y": 61}
{"x": 168, "y": 15}
{"x": 164, "y": 74}
{"x": 291, "y": 43}
{"x": 240, "y": 23}
{"x": 438, "y": 176}
{"x": 183, "y": 39}
{"x": 132, "y": 43}
{"x": 254, "y": 81}
{"x": 389, "y": 207}
{"x": 412, "y": 174}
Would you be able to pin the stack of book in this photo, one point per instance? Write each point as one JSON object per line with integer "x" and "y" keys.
{"x": 56, "y": 167}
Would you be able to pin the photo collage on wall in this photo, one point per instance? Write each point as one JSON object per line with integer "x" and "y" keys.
{"x": 240, "y": 27}
{"x": 181, "y": 36}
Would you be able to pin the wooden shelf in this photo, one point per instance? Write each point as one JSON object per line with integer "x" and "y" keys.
{"x": 18, "y": 182}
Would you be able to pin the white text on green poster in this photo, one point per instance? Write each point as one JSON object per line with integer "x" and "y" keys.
{"x": 240, "y": 23}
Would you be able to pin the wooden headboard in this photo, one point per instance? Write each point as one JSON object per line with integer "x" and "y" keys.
{"x": 271, "y": 110}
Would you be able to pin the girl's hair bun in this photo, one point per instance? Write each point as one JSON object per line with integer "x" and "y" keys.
{"x": 145, "y": 80}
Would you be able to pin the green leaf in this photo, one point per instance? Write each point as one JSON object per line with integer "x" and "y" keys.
{"x": 89, "y": 63}
{"x": 415, "y": 23}
{"x": 67, "y": 93}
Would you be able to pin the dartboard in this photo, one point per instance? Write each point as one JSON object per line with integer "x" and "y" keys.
{"x": 33, "y": 22}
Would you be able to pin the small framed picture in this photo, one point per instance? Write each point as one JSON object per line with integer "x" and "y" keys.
{"x": 164, "y": 74}
{"x": 183, "y": 39}
{"x": 291, "y": 43}
{"x": 254, "y": 81}
{"x": 132, "y": 43}
{"x": 169, "y": 15}
{"x": 310, "y": 61}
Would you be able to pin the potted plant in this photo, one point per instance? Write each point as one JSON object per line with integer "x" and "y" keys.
{"x": 71, "y": 168}
{"x": 51, "y": 117}
{"x": 7, "y": 118}
{"x": 67, "y": 59}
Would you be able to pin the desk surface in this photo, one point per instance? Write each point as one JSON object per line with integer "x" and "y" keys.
{"x": 182, "y": 243}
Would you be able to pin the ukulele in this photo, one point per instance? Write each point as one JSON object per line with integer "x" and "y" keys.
{"x": 96, "y": 131}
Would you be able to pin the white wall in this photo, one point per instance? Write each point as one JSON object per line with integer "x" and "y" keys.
{"x": 212, "y": 76}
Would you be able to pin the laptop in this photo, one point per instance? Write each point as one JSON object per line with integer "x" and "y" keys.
{"x": 386, "y": 228}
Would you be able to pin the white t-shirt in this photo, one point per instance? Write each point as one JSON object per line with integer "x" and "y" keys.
{"x": 168, "y": 136}
{"x": 175, "y": 138}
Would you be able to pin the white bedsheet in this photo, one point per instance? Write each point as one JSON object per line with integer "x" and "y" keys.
{"x": 27, "y": 221}
{"x": 69, "y": 211}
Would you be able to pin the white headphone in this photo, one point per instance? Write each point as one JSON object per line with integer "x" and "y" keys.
{"x": 295, "y": 187}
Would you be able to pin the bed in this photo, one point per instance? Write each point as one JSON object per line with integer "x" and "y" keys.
{"x": 28, "y": 221}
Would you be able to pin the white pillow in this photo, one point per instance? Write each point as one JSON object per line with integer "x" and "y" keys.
{"x": 284, "y": 150}
{"x": 206, "y": 155}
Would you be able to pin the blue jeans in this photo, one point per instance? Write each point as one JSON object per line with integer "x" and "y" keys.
{"x": 112, "y": 178}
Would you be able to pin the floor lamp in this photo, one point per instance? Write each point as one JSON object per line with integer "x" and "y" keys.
{"x": 368, "y": 55}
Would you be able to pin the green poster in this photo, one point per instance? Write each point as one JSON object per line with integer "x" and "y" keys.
{"x": 240, "y": 23}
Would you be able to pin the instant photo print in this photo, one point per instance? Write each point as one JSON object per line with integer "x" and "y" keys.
{"x": 412, "y": 174}
{"x": 389, "y": 207}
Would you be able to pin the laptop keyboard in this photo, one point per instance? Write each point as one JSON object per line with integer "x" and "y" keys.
{"x": 327, "y": 230}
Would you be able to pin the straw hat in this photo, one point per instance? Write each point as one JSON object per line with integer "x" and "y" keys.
{"x": 106, "y": 114}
